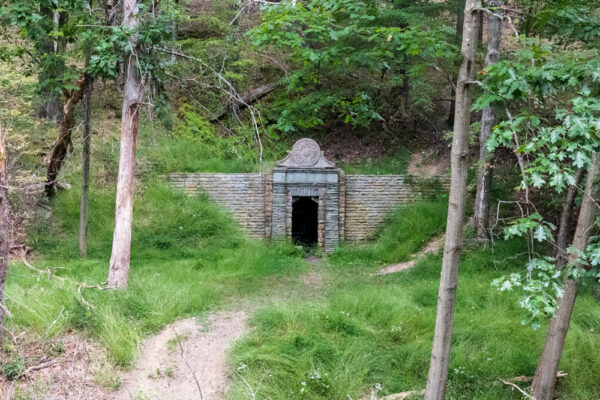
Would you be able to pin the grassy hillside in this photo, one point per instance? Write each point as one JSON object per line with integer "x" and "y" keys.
{"x": 187, "y": 257}
{"x": 369, "y": 332}
{"x": 350, "y": 334}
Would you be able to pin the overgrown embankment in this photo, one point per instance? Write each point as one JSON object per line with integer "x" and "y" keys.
{"x": 374, "y": 332}
{"x": 187, "y": 257}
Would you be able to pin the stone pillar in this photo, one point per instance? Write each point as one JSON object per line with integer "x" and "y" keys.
{"x": 288, "y": 213}
{"x": 278, "y": 206}
{"x": 268, "y": 185}
{"x": 321, "y": 219}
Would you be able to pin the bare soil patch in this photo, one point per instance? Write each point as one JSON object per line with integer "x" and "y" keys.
{"x": 70, "y": 368}
{"x": 431, "y": 247}
{"x": 313, "y": 280}
{"x": 343, "y": 146}
{"x": 185, "y": 358}
{"x": 428, "y": 164}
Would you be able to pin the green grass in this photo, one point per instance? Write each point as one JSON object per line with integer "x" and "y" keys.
{"x": 368, "y": 330}
{"x": 404, "y": 232}
{"x": 387, "y": 164}
{"x": 187, "y": 257}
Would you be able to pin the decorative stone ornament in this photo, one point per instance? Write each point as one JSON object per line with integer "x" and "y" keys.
{"x": 305, "y": 154}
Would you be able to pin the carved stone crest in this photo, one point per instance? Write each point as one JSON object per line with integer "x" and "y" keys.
{"x": 305, "y": 154}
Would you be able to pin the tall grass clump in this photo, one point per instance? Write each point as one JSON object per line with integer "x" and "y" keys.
{"x": 375, "y": 333}
{"x": 405, "y": 231}
{"x": 187, "y": 256}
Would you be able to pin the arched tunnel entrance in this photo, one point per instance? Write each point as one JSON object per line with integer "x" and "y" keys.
{"x": 305, "y": 211}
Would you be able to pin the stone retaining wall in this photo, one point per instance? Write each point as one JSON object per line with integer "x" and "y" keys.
{"x": 369, "y": 198}
{"x": 359, "y": 203}
{"x": 241, "y": 194}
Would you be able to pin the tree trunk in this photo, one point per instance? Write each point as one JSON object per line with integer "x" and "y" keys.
{"x": 564, "y": 227}
{"x": 440, "y": 354}
{"x": 460, "y": 21}
{"x": 63, "y": 143}
{"x": 460, "y": 18}
{"x": 50, "y": 106}
{"x": 85, "y": 187}
{"x": 4, "y": 227}
{"x": 545, "y": 376}
{"x": 110, "y": 12}
{"x": 488, "y": 120}
{"x": 118, "y": 274}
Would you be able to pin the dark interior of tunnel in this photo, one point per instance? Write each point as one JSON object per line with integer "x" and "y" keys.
{"x": 304, "y": 221}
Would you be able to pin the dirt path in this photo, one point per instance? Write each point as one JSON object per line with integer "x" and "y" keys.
{"x": 431, "y": 247}
{"x": 184, "y": 358}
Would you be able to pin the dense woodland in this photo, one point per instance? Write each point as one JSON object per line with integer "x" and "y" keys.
{"x": 101, "y": 99}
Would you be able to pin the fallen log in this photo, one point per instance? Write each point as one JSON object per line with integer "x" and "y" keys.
{"x": 245, "y": 101}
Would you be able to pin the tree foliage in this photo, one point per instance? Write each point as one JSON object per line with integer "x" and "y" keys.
{"x": 351, "y": 57}
{"x": 552, "y": 118}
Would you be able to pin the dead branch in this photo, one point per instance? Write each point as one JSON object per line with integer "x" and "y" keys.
{"x": 524, "y": 393}
{"x": 231, "y": 91}
{"x": 523, "y": 378}
{"x": 99, "y": 286}
{"x": 37, "y": 367}
{"x": 403, "y": 395}
{"x": 40, "y": 272}
{"x": 5, "y": 310}
{"x": 80, "y": 286}
{"x": 245, "y": 101}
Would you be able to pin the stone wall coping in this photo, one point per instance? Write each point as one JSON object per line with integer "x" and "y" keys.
{"x": 441, "y": 177}
{"x": 184, "y": 174}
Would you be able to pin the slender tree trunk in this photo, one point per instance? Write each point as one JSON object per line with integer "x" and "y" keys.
{"x": 174, "y": 34}
{"x": 440, "y": 354}
{"x": 480, "y": 36}
{"x": 564, "y": 227}
{"x": 488, "y": 120}
{"x": 460, "y": 18}
{"x": 545, "y": 376}
{"x": 62, "y": 145}
{"x": 4, "y": 227}
{"x": 118, "y": 274}
{"x": 51, "y": 103}
{"x": 460, "y": 21}
{"x": 85, "y": 187}
{"x": 110, "y": 12}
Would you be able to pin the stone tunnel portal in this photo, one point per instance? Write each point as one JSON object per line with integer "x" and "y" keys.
{"x": 305, "y": 212}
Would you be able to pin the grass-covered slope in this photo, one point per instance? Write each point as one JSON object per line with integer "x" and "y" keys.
{"x": 187, "y": 256}
{"x": 403, "y": 233}
{"x": 367, "y": 331}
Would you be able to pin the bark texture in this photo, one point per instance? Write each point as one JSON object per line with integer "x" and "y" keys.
{"x": 61, "y": 147}
{"x": 562, "y": 239}
{"x": 543, "y": 383}
{"x": 51, "y": 102}
{"x": 118, "y": 274}
{"x": 481, "y": 214}
{"x": 85, "y": 186}
{"x": 440, "y": 354}
{"x": 4, "y": 227}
